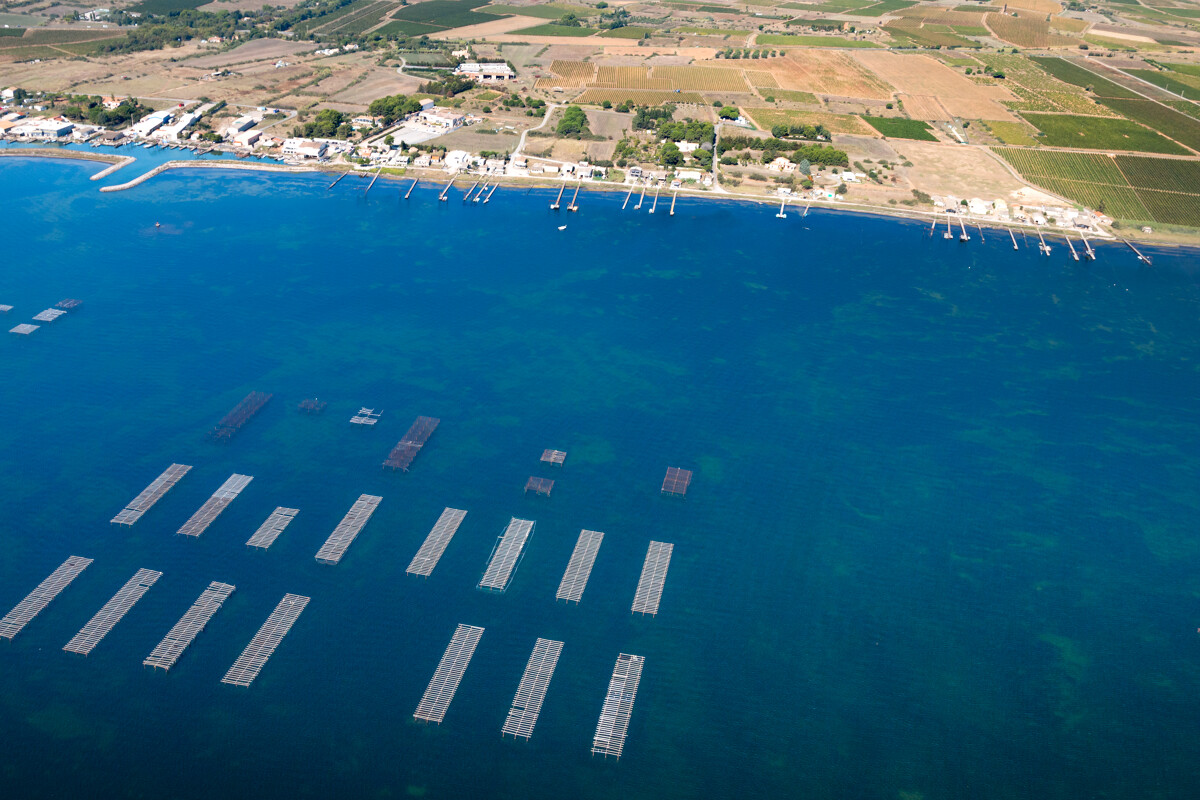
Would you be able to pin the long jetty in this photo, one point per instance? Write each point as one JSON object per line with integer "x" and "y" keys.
{"x": 435, "y": 543}
{"x": 338, "y": 179}
{"x": 674, "y": 197}
{"x": 448, "y": 674}
{"x": 558, "y": 200}
{"x": 531, "y": 691}
{"x": 348, "y": 529}
{"x": 274, "y": 525}
{"x": 449, "y": 183}
{"x": 627, "y": 196}
{"x": 213, "y": 506}
{"x": 412, "y": 186}
{"x": 195, "y": 164}
{"x": 37, "y": 600}
{"x": 406, "y": 449}
{"x": 111, "y": 613}
{"x": 151, "y": 494}
{"x": 378, "y": 172}
{"x": 506, "y": 554}
{"x": 181, "y": 635}
{"x": 654, "y": 205}
{"x": 613, "y": 725}
{"x": 654, "y": 575}
{"x": 574, "y": 206}
{"x": 575, "y": 579}
{"x": 242, "y": 413}
{"x": 1138, "y": 253}
{"x": 111, "y": 168}
{"x": 254, "y": 657}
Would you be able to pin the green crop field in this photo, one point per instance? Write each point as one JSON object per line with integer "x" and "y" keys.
{"x": 790, "y": 95}
{"x": 628, "y": 32}
{"x": 901, "y": 128}
{"x": 787, "y": 39}
{"x": 712, "y": 32}
{"x": 1136, "y": 188}
{"x": 1012, "y": 132}
{"x": 1100, "y": 133}
{"x": 406, "y": 28}
{"x": 1179, "y": 83}
{"x": 1070, "y": 73}
{"x": 1168, "y": 121}
{"x": 1186, "y": 106}
{"x": 11, "y": 32}
{"x": 554, "y": 30}
{"x": 165, "y": 6}
{"x": 445, "y": 13}
{"x": 548, "y": 11}
{"x": 911, "y": 32}
{"x": 879, "y": 9}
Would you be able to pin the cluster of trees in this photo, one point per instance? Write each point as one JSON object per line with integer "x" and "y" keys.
{"x": 574, "y": 123}
{"x": 728, "y": 112}
{"x": 532, "y": 105}
{"x": 822, "y": 155}
{"x": 329, "y": 124}
{"x": 448, "y": 86}
{"x": 810, "y": 132}
{"x": 610, "y": 20}
{"x": 742, "y": 52}
{"x": 686, "y": 131}
{"x": 156, "y": 31}
{"x": 647, "y": 118}
{"x": 670, "y": 155}
{"x": 394, "y": 107}
{"x": 92, "y": 110}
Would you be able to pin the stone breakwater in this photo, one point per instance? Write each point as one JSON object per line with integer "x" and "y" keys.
{"x": 201, "y": 165}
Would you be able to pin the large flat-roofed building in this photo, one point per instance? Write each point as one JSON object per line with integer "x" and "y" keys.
{"x": 485, "y": 72}
{"x": 441, "y": 117}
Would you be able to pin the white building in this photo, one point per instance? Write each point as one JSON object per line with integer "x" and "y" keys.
{"x": 172, "y": 132}
{"x": 240, "y": 124}
{"x": 488, "y": 73}
{"x": 247, "y": 138}
{"x": 441, "y": 117}
{"x": 152, "y": 122}
{"x": 303, "y": 148}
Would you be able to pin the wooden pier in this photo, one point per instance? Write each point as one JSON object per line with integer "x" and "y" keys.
{"x": 111, "y": 613}
{"x": 654, "y": 205}
{"x": 531, "y": 691}
{"x": 556, "y": 457}
{"x": 506, "y": 554}
{"x": 435, "y": 543}
{"x": 274, "y": 525}
{"x": 412, "y": 186}
{"x": 467, "y": 196}
{"x": 254, "y": 657}
{"x": 558, "y": 200}
{"x": 579, "y": 568}
{"x": 641, "y": 198}
{"x": 24, "y": 329}
{"x": 378, "y": 172}
{"x": 1137, "y": 252}
{"x": 168, "y": 651}
{"x": 338, "y": 178}
{"x": 574, "y": 197}
{"x": 49, "y": 315}
{"x": 406, "y": 449}
{"x": 448, "y": 674}
{"x": 151, "y": 494}
{"x": 1074, "y": 255}
{"x": 674, "y": 197}
{"x": 1013, "y": 236}
{"x": 366, "y": 416}
{"x": 628, "y": 195}
{"x": 539, "y": 485}
{"x": 677, "y": 481}
{"x": 232, "y": 422}
{"x": 1042, "y": 246}
{"x": 1088, "y": 252}
{"x": 491, "y": 192}
{"x": 442, "y": 196}
{"x": 213, "y": 506}
{"x": 782, "y": 209}
{"x": 654, "y": 575}
{"x": 348, "y": 529}
{"x": 618, "y": 706}
{"x": 40, "y": 597}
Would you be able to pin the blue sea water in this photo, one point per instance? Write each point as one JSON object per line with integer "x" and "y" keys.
{"x": 940, "y": 542}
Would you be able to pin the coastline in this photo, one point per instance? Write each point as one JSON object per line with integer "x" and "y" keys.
{"x": 537, "y": 182}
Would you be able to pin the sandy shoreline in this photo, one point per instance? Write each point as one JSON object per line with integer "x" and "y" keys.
{"x": 535, "y": 182}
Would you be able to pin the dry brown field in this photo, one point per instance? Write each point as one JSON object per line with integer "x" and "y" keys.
{"x": 380, "y": 82}
{"x": 766, "y": 118}
{"x": 923, "y": 106}
{"x": 942, "y": 16}
{"x": 495, "y": 27}
{"x": 920, "y": 75}
{"x": 1043, "y": 7}
{"x": 701, "y": 79}
{"x": 829, "y": 72}
{"x": 954, "y": 169}
{"x": 1027, "y": 30}
{"x": 572, "y": 74}
{"x": 255, "y": 50}
{"x": 641, "y": 97}
{"x": 762, "y": 80}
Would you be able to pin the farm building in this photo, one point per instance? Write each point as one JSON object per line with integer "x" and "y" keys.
{"x": 488, "y": 73}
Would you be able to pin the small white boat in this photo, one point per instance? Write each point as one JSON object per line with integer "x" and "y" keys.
{"x": 562, "y": 227}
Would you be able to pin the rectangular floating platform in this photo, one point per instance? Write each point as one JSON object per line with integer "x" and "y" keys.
{"x": 68, "y": 304}
{"x": 677, "y": 481}
{"x": 232, "y": 422}
{"x": 24, "y": 328}
{"x": 40, "y": 597}
{"x": 351, "y": 525}
{"x": 254, "y": 657}
{"x": 575, "y": 579}
{"x": 189, "y": 626}
{"x": 214, "y": 505}
{"x": 531, "y": 691}
{"x": 49, "y": 315}
{"x": 557, "y": 457}
{"x": 111, "y": 613}
{"x": 448, "y": 674}
{"x": 312, "y": 405}
{"x": 406, "y": 450}
{"x": 5, "y": 309}
{"x": 435, "y": 543}
{"x": 151, "y": 494}
{"x": 618, "y": 706}
{"x": 366, "y": 416}
{"x": 269, "y": 531}
{"x": 539, "y": 486}
{"x": 506, "y": 554}
{"x": 654, "y": 575}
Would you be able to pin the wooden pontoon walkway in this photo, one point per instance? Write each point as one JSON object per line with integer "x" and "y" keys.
{"x": 269, "y": 531}
{"x": 556, "y": 457}
{"x": 654, "y": 575}
{"x": 448, "y": 674}
{"x": 254, "y": 657}
{"x": 506, "y": 554}
{"x": 189, "y": 626}
{"x": 677, "y": 481}
{"x": 232, "y": 422}
{"x": 406, "y": 449}
{"x": 575, "y": 579}
{"x": 351, "y": 525}
{"x": 40, "y": 597}
{"x": 531, "y": 691}
{"x": 435, "y": 543}
{"x": 618, "y": 706}
{"x": 539, "y": 485}
{"x": 151, "y": 494}
{"x": 111, "y": 613}
{"x": 214, "y": 505}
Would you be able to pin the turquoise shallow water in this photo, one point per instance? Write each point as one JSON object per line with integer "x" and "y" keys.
{"x": 940, "y": 542}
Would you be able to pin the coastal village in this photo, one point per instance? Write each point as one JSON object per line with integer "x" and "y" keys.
{"x": 866, "y": 106}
